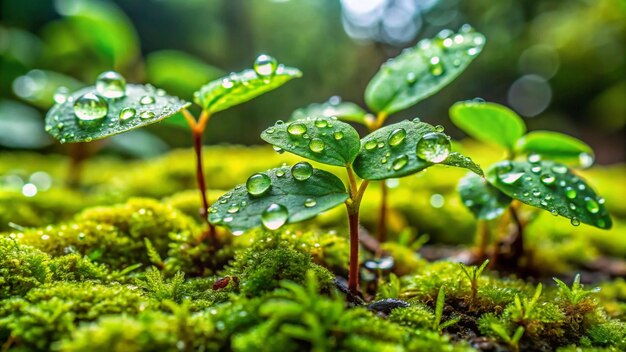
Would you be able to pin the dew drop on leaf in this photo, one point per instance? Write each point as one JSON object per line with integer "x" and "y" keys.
{"x": 316, "y": 145}
{"x": 302, "y": 171}
{"x": 369, "y": 145}
{"x": 296, "y": 129}
{"x": 575, "y": 222}
{"x": 111, "y": 84}
{"x": 265, "y": 65}
{"x": 534, "y": 158}
{"x": 435, "y": 66}
{"x": 396, "y": 137}
{"x": 146, "y": 114}
{"x": 233, "y": 209}
{"x": 127, "y": 113}
{"x": 548, "y": 179}
{"x": 434, "y": 147}
{"x": 592, "y": 206}
{"x": 570, "y": 192}
{"x": 338, "y": 135}
{"x": 400, "y": 162}
{"x": 536, "y": 169}
{"x": 258, "y": 184}
{"x": 559, "y": 169}
{"x": 274, "y": 216}
{"x": 510, "y": 178}
{"x": 278, "y": 150}
{"x": 146, "y": 100}
{"x": 280, "y": 173}
{"x": 321, "y": 123}
{"x": 61, "y": 94}
{"x": 90, "y": 107}
{"x": 411, "y": 78}
{"x": 310, "y": 203}
{"x": 585, "y": 160}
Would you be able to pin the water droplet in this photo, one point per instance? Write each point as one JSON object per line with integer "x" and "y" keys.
{"x": 396, "y": 137}
{"x": 111, "y": 84}
{"x": 90, "y": 107}
{"x": 146, "y": 100}
{"x": 439, "y": 128}
{"x": 570, "y": 193}
{"x": 280, "y": 173}
{"x": 302, "y": 171}
{"x": 536, "y": 169}
{"x": 338, "y": 135}
{"x": 274, "y": 216}
{"x": 296, "y": 129}
{"x": 258, "y": 184}
{"x": 592, "y": 206}
{"x": 554, "y": 212}
{"x": 265, "y": 65}
{"x": 146, "y": 114}
{"x": 61, "y": 94}
{"x": 383, "y": 263}
{"x": 601, "y": 200}
{"x": 572, "y": 206}
{"x": 505, "y": 167}
{"x": 369, "y": 145}
{"x": 417, "y": 120}
{"x": 435, "y": 66}
{"x": 534, "y": 158}
{"x": 310, "y": 203}
{"x": 575, "y": 222}
{"x": 601, "y": 223}
{"x": 411, "y": 78}
{"x": 510, "y": 178}
{"x": 270, "y": 130}
{"x": 321, "y": 123}
{"x": 127, "y": 113}
{"x": 559, "y": 169}
{"x": 316, "y": 145}
{"x": 400, "y": 162}
{"x": 278, "y": 149}
{"x": 585, "y": 160}
{"x": 233, "y": 209}
{"x": 548, "y": 179}
{"x": 434, "y": 147}
{"x": 581, "y": 186}
{"x": 536, "y": 193}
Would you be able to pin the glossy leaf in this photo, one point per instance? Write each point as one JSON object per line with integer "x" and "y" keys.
{"x": 343, "y": 110}
{"x": 238, "y": 210}
{"x": 488, "y": 122}
{"x": 553, "y": 187}
{"x": 240, "y": 87}
{"x": 422, "y": 70}
{"x": 63, "y": 124}
{"x": 383, "y": 156}
{"x": 39, "y": 86}
{"x": 484, "y": 200}
{"x": 325, "y": 140}
{"x": 556, "y": 146}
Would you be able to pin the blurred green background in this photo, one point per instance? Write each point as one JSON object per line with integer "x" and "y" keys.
{"x": 560, "y": 64}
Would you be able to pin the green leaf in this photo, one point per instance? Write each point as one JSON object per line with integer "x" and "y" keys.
{"x": 238, "y": 210}
{"x": 488, "y": 122}
{"x": 240, "y": 87}
{"x": 553, "y": 187}
{"x": 38, "y": 86}
{"x": 322, "y": 139}
{"x": 381, "y": 158}
{"x": 481, "y": 198}
{"x": 422, "y": 70}
{"x": 63, "y": 124}
{"x": 556, "y": 146}
{"x": 459, "y": 160}
{"x": 343, "y": 110}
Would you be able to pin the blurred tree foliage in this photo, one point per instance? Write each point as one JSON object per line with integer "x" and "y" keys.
{"x": 561, "y": 61}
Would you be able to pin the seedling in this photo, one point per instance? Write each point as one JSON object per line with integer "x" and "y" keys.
{"x": 473, "y": 274}
{"x": 523, "y": 308}
{"x": 288, "y": 195}
{"x": 576, "y": 294}
{"x": 402, "y": 82}
{"x": 512, "y": 341}
{"x": 111, "y": 106}
{"x": 437, "y": 324}
{"x": 543, "y": 180}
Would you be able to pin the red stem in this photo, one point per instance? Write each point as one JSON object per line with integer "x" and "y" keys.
{"x": 197, "y": 143}
{"x": 353, "y": 276}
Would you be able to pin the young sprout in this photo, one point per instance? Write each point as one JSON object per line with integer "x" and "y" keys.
{"x": 512, "y": 341}
{"x": 402, "y": 82}
{"x": 439, "y": 305}
{"x": 473, "y": 274}
{"x": 287, "y": 195}
{"x": 111, "y": 106}
{"x": 576, "y": 294}
{"x": 535, "y": 172}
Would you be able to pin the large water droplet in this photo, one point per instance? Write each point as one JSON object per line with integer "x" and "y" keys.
{"x": 434, "y": 147}
{"x": 258, "y": 184}
{"x": 548, "y": 179}
{"x": 127, "y": 113}
{"x": 61, "y": 94}
{"x": 536, "y": 169}
{"x": 435, "y": 66}
{"x": 274, "y": 216}
{"x": 411, "y": 78}
{"x": 302, "y": 171}
{"x": 338, "y": 135}
{"x": 510, "y": 178}
{"x": 534, "y": 158}
{"x": 111, "y": 84}
{"x": 400, "y": 162}
{"x": 146, "y": 114}
{"x": 146, "y": 100}
{"x": 233, "y": 209}
{"x": 369, "y": 145}
{"x": 570, "y": 193}
{"x": 559, "y": 169}
{"x": 310, "y": 202}
{"x": 575, "y": 221}
{"x": 90, "y": 107}
{"x": 316, "y": 145}
{"x": 592, "y": 206}
{"x": 321, "y": 123}
{"x": 396, "y": 137}
{"x": 585, "y": 160}
{"x": 265, "y": 65}
{"x": 296, "y": 129}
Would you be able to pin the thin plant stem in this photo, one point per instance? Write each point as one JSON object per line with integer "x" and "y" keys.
{"x": 483, "y": 239}
{"x": 517, "y": 246}
{"x": 352, "y": 205}
{"x": 382, "y": 216}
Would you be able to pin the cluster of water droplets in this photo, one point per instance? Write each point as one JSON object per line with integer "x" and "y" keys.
{"x": 556, "y": 177}
{"x": 301, "y": 135}
{"x": 433, "y": 147}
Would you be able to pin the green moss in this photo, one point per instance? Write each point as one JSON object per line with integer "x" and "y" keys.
{"x": 21, "y": 268}
{"x": 74, "y": 267}
{"x": 415, "y": 316}
{"x": 611, "y": 333}
{"x": 53, "y": 311}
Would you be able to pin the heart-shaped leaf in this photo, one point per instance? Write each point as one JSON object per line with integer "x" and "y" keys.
{"x": 325, "y": 140}
{"x": 278, "y": 196}
{"x": 405, "y": 148}
{"x": 239, "y": 87}
{"x": 343, "y": 110}
{"x": 553, "y": 187}
{"x": 488, "y": 122}
{"x": 556, "y": 146}
{"x": 422, "y": 70}
{"x": 484, "y": 200}
{"x": 87, "y": 116}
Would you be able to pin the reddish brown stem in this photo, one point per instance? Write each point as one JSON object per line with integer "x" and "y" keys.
{"x": 353, "y": 276}
{"x": 517, "y": 246}
{"x": 382, "y": 216}
{"x": 483, "y": 239}
{"x": 197, "y": 144}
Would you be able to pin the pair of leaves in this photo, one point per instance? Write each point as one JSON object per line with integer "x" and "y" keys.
{"x": 334, "y": 107}
{"x": 238, "y": 210}
{"x": 545, "y": 185}
{"x": 496, "y": 124}
{"x": 63, "y": 124}
{"x": 377, "y": 156}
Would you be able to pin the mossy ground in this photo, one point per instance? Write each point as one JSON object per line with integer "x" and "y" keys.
{"x": 120, "y": 264}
